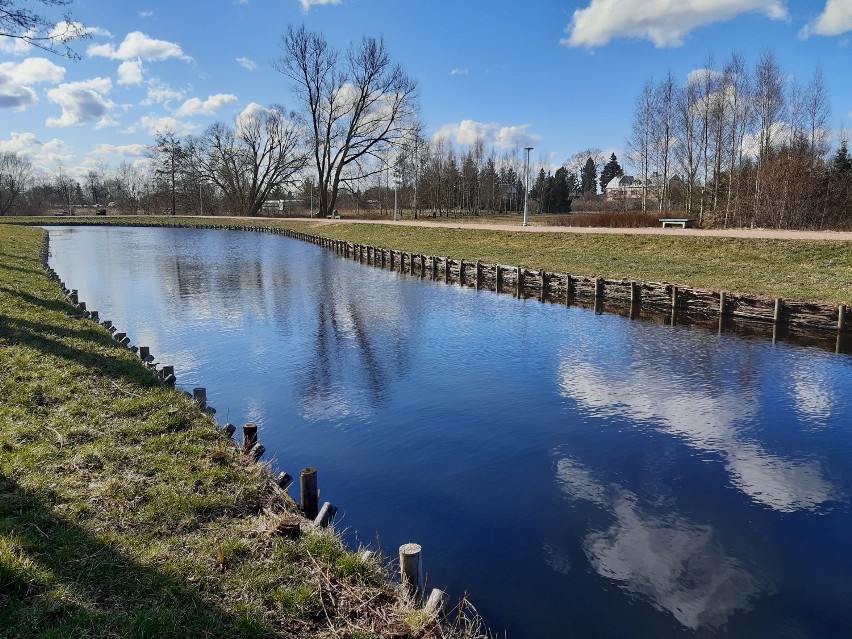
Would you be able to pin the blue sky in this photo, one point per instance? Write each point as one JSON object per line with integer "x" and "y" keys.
{"x": 558, "y": 76}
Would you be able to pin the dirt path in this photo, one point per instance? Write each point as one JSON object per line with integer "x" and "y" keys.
{"x": 740, "y": 233}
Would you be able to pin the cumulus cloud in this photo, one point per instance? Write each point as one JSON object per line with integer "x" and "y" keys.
{"x": 307, "y": 4}
{"x": 835, "y": 19}
{"x": 197, "y": 106}
{"x": 131, "y": 150}
{"x": 247, "y": 63}
{"x": 156, "y": 124}
{"x": 503, "y": 137}
{"x": 663, "y": 22}
{"x": 42, "y": 154}
{"x": 138, "y": 45}
{"x": 130, "y": 72}
{"x": 159, "y": 93}
{"x": 65, "y": 31}
{"x": 16, "y": 79}
{"x": 16, "y": 46}
{"x": 82, "y": 102}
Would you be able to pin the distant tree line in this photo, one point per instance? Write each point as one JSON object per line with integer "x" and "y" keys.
{"x": 739, "y": 146}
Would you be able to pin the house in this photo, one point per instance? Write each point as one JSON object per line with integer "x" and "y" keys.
{"x": 627, "y": 187}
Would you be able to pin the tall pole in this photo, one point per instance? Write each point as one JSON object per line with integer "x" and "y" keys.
{"x": 527, "y": 188}
{"x": 395, "y": 180}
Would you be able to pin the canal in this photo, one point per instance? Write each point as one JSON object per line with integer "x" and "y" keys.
{"x": 578, "y": 475}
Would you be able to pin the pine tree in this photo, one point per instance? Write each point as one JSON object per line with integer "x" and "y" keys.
{"x": 589, "y": 177}
{"x": 560, "y": 194}
{"x": 842, "y": 163}
{"x": 611, "y": 170}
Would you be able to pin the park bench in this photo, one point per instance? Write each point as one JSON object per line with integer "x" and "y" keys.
{"x": 682, "y": 222}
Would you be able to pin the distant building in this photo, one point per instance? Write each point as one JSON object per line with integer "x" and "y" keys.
{"x": 627, "y": 187}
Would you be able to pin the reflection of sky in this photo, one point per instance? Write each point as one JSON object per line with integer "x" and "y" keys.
{"x": 674, "y": 563}
{"x": 705, "y": 421}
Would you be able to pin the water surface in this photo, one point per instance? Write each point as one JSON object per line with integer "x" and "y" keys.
{"x": 579, "y": 475}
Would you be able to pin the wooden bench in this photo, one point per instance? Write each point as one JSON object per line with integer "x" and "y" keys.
{"x": 682, "y": 222}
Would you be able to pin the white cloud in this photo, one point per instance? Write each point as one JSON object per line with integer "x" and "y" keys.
{"x": 130, "y": 72}
{"x": 16, "y": 78}
{"x": 146, "y": 14}
{"x": 132, "y": 150}
{"x": 138, "y": 45}
{"x": 43, "y": 155}
{"x": 663, "y": 22}
{"x": 161, "y": 93}
{"x": 307, "y": 4}
{"x": 155, "y": 125}
{"x": 66, "y": 31}
{"x": 247, "y": 63}
{"x": 835, "y": 19}
{"x": 82, "y": 102}
{"x": 197, "y": 106}
{"x": 503, "y": 137}
{"x": 458, "y": 71}
{"x": 15, "y": 46}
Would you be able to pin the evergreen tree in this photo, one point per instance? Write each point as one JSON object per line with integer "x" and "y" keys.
{"x": 560, "y": 193}
{"x": 589, "y": 177}
{"x": 611, "y": 170}
{"x": 842, "y": 163}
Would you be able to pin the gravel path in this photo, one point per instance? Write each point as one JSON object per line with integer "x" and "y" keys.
{"x": 741, "y": 233}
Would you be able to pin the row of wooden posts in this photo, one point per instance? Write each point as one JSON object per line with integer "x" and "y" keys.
{"x": 567, "y": 287}
{"x": 410, "y": 560}
{"x": 410, "y": 554}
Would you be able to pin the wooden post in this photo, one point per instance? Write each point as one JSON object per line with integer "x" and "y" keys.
{"x": 674, "y": 297}
{"x": 411, "y": 263}
{"x": 496, "y": 278}
{"x": 411, "y": 568}
{"x": 597, "y": 287}
{"x": 257, "y": 451}
{"x": 478, "y": 273}
{"x": 249, "y": 436}
{"x": 569, "y": 289}
{"x": 309, "y": 492}
{"x": 167, "y": 370}
{"x": 447, "y": 270}
{"x": 326, "y": 515}
{"x": 434, "y": 273}
{"x": 94, "y": 315}
{"x": 144, "y": 352}
{"x": 461, "y": 273}
{"x": 722, "y": 302}
{"x": 391, "y": 259}
{"x": 436, "y": 602}
{"x": 776, "y": 316}
{"x": 841, "y": 317}
{"x": 520, "y": 282}
{"x": 229, "y": 429}
{"x": 284, "y": 480}
{"x": 422, "y": 266}
{"x": 199, "y": 395}
{"x": 543, "y": 275}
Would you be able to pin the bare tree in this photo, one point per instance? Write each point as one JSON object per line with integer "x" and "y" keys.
{"x": 664, "y": 112}
{"x": 816, "y": 114}
{"x": 355, "y": 104}
{"x": 15, "y": 173}
{"x": 20, "y": 20}
{"x": 769, "y": 102}
{"x": 169, "y": 154}
{"x": 261, "y": 152}
{"x": 640, "y": 143}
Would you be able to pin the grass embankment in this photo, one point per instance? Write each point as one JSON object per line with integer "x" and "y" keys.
{"x": 125, "y": 513}
{"x": 815, "y": 270}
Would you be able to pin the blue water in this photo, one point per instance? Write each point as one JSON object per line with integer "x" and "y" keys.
{"x": 578, "y": 475}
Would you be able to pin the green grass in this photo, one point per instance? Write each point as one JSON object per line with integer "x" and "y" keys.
{"x": 117, "y": 516}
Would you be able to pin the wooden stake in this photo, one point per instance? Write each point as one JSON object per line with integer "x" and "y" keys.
{"x": 569, "y": 289}
{"x": 199, "y": 395}
{"x": 776, "y": 317}
{"x": 249, "y": 436}
{"x": 447, "y": 270}
{"x": 461, "y": 273}
{"x": 520, "y": 278}
{"x": 841, "y": 317}
{"x": 478, "y": 273}
{"x": 496, "y": 278}
{"x": 436, "y": 602}
{"x": 326, "y": 515}
{"x": 309, "y": 492}
{"x": 284, "y": 480}
{"x": 543, "y": 275}
{"x": 674, "y": 297}
{"x": 411, "y": 568}
{"x": 722, "y": 302}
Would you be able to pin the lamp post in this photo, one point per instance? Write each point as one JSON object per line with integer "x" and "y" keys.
{"x": 527, "y": 188}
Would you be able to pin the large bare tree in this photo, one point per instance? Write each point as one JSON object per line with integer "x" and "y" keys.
{"x": 23, "y": 20}
{"x": 15, "y": 172}
{"x": 356, "y": 105}
{"x": 246, "y": 162}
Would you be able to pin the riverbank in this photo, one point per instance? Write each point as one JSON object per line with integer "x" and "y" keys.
{"x": 746, "y": 262}
{"x": 124, "y": 512}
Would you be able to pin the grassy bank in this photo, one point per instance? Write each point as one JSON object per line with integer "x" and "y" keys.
{"x": 814, "y": 270}
{"x": 125, "y": 513}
